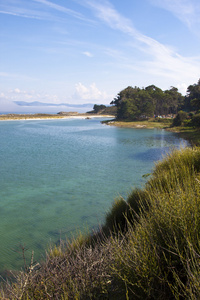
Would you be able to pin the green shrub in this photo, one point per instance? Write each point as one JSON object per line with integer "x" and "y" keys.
{"x": 123, "y": 210}
{"x": 116, "y": 217}
{"x": 180, "y": 118}
{"x": 160, "y": 256}
{"x": 196, "y": 120}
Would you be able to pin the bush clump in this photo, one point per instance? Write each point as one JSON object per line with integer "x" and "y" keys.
{"x": 180, "y": 118}
{"x": 195, "y": 122}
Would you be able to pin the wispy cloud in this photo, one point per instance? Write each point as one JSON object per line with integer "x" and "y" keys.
{"x": 38, "y": 9}
{"x": 88, "y": 54}
{"x": 110, "y": 16}
{"x": 160, "y": 58}
{"x": 61, "y": 8}
{"x": 188, "y": 11}
{"x": 23, "y": 9}
{"x": 23, "y": 13}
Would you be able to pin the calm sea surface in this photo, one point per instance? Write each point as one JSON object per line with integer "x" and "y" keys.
{"x": 58, "y": 176}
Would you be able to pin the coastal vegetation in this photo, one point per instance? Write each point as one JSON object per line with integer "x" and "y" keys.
{"x": 142, "y": 103}
{"x": 151, "y": 107}
{"x": 148, "y": 247}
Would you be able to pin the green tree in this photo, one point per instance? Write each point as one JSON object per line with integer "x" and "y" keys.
{"x": 127, "y": 93}
{"x": 174, "y": 100}
{"x": 180, "y": 118}
{"x": 127, "y": 110}
{"x": 126, "y": 104}
{"x": 145, "y": 104}
{"x": 192, "y": 99}
{"x": 196, "y": 120}
{"x": 133, "y": 103}
{"x": 157, "y": 96}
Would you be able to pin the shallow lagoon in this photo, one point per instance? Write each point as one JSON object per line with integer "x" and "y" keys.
{"x": 58, "y": 176}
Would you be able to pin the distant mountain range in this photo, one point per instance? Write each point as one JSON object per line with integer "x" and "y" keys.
{"x": 37, "y": 103}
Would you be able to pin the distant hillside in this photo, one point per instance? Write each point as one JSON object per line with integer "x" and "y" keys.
{"x": 37, "y": 103}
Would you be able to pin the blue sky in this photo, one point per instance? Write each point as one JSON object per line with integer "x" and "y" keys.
{"x": 86, "y": 51}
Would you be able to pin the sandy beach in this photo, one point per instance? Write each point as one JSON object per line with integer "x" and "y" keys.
{"x": 23, "y": 117}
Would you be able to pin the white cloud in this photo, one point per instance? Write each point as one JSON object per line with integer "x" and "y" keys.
{"x": 182, "y": 87}
{"x": 88, "y": 54}
{"x": 82, "y": 95}
{"x": 17, "y": 91}
{"x": 17, "y": 94}
{"x": 91, "y": 94}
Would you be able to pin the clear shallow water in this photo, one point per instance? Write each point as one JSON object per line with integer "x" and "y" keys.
{"x": 58, "y": 176}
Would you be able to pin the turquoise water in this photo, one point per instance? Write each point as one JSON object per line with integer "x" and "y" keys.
{"x": 58, "y": 176}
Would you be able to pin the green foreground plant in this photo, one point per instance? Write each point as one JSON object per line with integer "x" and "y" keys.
{"x": 148, "y": 248}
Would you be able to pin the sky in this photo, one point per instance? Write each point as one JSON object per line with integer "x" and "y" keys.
{"x": 60, "y": 52}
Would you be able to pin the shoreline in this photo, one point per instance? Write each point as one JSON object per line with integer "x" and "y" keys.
{"x": 26, "y": 117}
{"x": 192, "y": 135}
{"x": 138, "y": 124}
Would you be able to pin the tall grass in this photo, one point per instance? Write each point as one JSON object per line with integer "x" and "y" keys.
{"x": 160, "y": 256}
{"x": 148, "y": 248}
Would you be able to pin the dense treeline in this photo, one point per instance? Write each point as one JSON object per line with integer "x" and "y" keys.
{"x": 135, "y": 103}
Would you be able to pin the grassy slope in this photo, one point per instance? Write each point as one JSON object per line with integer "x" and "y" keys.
{"x": 148, "y": 248}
